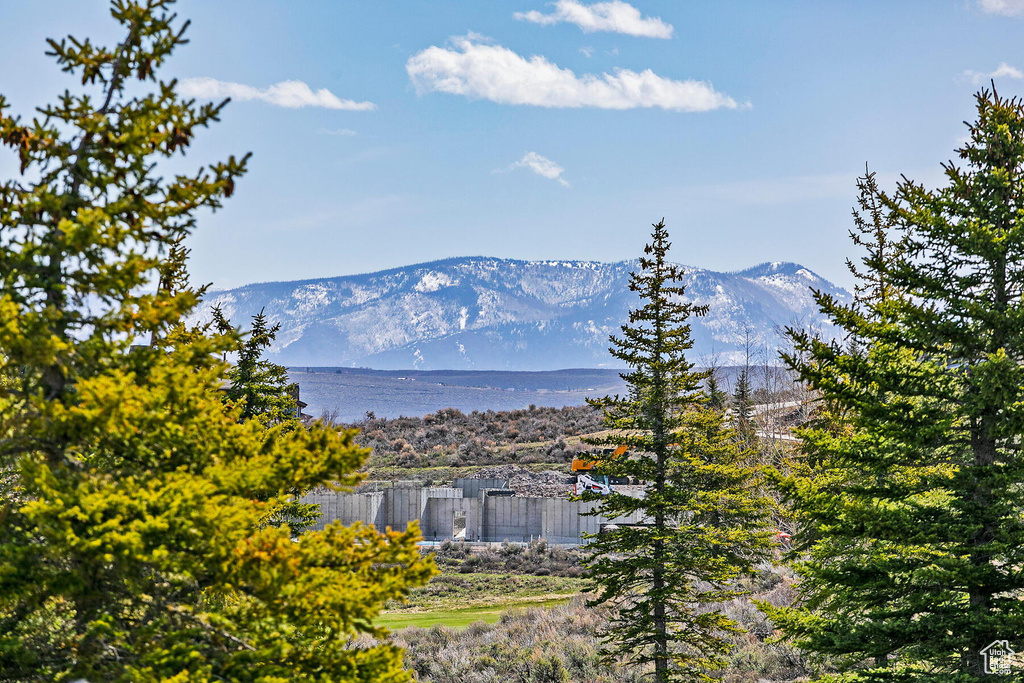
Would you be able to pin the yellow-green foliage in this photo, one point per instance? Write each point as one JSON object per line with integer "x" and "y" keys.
{"x": 142, "y": 546}
{"x": 131, "y": 495}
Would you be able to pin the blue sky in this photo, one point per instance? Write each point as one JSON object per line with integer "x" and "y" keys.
{"x": 528, "y": 129}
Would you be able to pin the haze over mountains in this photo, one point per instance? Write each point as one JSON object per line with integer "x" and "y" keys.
{"x": 478, "y": 313}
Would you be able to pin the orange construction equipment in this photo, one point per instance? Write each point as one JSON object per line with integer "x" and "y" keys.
{"x": 580, "y": 465}
{"x": 588, "y": 482}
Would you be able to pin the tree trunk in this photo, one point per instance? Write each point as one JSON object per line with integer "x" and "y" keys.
{"x": 980, "y": 594}
{"x": 661, "y": 659}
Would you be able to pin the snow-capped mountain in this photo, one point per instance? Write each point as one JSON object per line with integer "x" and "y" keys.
{"x": 490, "y": 313}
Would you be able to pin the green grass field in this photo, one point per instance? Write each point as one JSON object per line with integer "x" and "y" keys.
{"x": 457, "y": 600}
{"x": 460, "y": 618}
{"x": 452, "y": 591}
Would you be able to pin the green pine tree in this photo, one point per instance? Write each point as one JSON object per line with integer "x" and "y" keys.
{"x": 842, "y": 611}
{"x": 912, "y": 512}
{"x": 132, "y": 546}
{"x": 262, "y": 391}
{"x": 705, "y": 525}
{"x": 259, "y": 386}
{"x": 874, "y": 230}
{"x": 717, "y": 398}
{"x": 743, "y": 408}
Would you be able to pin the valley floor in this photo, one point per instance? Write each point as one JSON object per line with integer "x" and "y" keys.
{"x": 509, "y": 612}
{"x": 500, "y": 614}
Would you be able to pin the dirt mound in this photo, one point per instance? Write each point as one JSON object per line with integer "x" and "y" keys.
{"x": 548, "y": 484}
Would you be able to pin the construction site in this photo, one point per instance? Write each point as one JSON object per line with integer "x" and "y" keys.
{"x": 477, "y": 510}
{"x": 506, "y": 502}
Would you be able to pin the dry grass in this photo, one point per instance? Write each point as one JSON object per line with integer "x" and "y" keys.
{"x": 561, "y": 645}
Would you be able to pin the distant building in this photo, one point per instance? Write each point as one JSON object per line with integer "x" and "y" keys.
{"x": 293, "y": 391}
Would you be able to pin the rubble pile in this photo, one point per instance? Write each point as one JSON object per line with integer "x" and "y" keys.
{"x": 525, "y": 482}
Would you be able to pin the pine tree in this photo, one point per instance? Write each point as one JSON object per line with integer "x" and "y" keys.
{"x": 911, "y": 506}
{"x": 131, "y": 543}
{"x": 704, "y": 524}
{"x": 717, "y": 397}
{"x": 262, "y": 391}
{"x": 836, "y": 612}
{"x": 260, "y": 386}
{"x": 874, "y": 226}
{"x": 743, "y": 408}
{"x": 743, "y": 399}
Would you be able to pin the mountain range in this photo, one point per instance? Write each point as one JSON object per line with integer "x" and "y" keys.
{"x": 503, "y": 314}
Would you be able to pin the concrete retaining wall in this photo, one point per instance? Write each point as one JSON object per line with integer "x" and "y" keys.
{"x": 512, "y": 518}
{"x": 488, "y": 518}
{"x": 348, "y": 507}
{"x": 437, "y": 523}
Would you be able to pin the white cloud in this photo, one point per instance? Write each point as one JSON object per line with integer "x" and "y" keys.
{"x": 587, "y": 51}
{"x": 540, "y": 165}
{"x": 290, "y": 94}
{"x": 477, "y": 70}
{"x": 615, "y": 16}
{"x": 1008, "y": 8}
{"x": 1004, "y": 70}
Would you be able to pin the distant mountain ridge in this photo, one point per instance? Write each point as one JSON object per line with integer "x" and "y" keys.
{"x": 481, "y": 313}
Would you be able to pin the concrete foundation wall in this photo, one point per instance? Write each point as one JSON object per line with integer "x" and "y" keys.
{"x": 562, "y": 520}
{"x": 512, "y": 519}
{"x": 488, "y": 518}
{"x": 404, "y": 505}
{"x": 348, "y": 507}
{"x": 439, "y": 519}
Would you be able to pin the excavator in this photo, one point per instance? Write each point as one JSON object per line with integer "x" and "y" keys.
{"x": 588, "y": 481}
